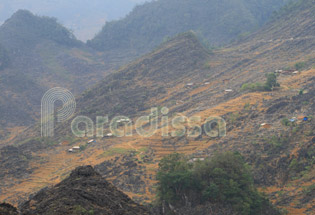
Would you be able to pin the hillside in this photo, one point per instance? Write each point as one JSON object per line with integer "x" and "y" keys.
{"x": 216, "y": 22}
{"x": 190, "y": 80}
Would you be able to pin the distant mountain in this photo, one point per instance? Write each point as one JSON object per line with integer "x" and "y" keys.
{"x": 215, "y": 21}
{"x": 84, "y": 17}
{"x": 37, "y": 53}
{"x": 83, "y": 192}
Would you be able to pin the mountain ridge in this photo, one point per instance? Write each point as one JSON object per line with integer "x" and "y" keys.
{"x": 147, "y": 23}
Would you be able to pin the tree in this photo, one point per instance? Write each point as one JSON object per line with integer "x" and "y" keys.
{"x": 271, "y": 81}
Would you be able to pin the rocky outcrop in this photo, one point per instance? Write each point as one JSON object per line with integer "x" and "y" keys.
{"x": 85, "y": 191}
{"x": 7, "y": 209}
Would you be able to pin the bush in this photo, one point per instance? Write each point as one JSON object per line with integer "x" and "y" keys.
{"x": 253, "y": 87}
{"x": 269, "y": 85}
{"x": 223, "y": 179}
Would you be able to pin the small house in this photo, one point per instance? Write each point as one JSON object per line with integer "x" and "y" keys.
{"x": 76, "y": 148}
{"x": 195, "y": 160}
{"x": 265, "y": 125}
{"x": 207, "y": 83}
{"x": 228, "y": 90}
{"x": 190, "y": 84}
{"x": 278, "y": 71}
{"x": 70, "y": 150}
{"x": 109, "y": 135}
{"x": 288, "y": 72}
{"x": 293, "y": 119}
{"x": 125, "y": 120}
{"x": 91, "y": 141}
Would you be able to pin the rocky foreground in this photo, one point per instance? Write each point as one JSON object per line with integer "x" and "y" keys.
{"x": 85, "y": 191}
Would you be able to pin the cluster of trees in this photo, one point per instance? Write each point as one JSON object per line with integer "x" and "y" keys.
{"x": 223, "y": 179}
{"x": 269, "y": 85}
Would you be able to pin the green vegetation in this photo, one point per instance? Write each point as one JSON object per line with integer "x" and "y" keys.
{"x": 269, "y": 85}
{"x": 150, "y": 24}
{"x": 234, "y": 117}
{"x": 225, "y": 178}
{"x": 287, "y": 122}
{"x": 115, "y": 151}
{"x": 79, "y": 210}
{"x": 253, "y": 87}
{"x": 277, "y": 143}
{"x": 299, "y": 65}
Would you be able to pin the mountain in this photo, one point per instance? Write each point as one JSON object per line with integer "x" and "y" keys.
{"x": 36, "y": 54}
{"x": 23, "y": 30}
{"x": 84, "y": 17}
{"x": 83, "y": 192}
{"x": 191, "y": 80}
{"x": 216, "y": 22}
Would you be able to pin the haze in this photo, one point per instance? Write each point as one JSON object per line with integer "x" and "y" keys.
{"x": 84, "y": 17}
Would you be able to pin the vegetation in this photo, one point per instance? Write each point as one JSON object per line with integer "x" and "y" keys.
{"x": 269, "y": 85}
{"x": 115, "y": 151}
{"x": 4, "y": 58}
{"x": 309, "y": 190}
{"x": 225, "y": 179}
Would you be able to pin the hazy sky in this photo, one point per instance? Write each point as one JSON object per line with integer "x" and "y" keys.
{"x": 84, "y": 17}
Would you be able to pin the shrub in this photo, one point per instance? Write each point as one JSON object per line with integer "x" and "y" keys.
{"x": 299, "y": 65}
{"x": 253, "y": 87}
{"x": 269, "y": 85}
{"x": 285, "y": 122}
